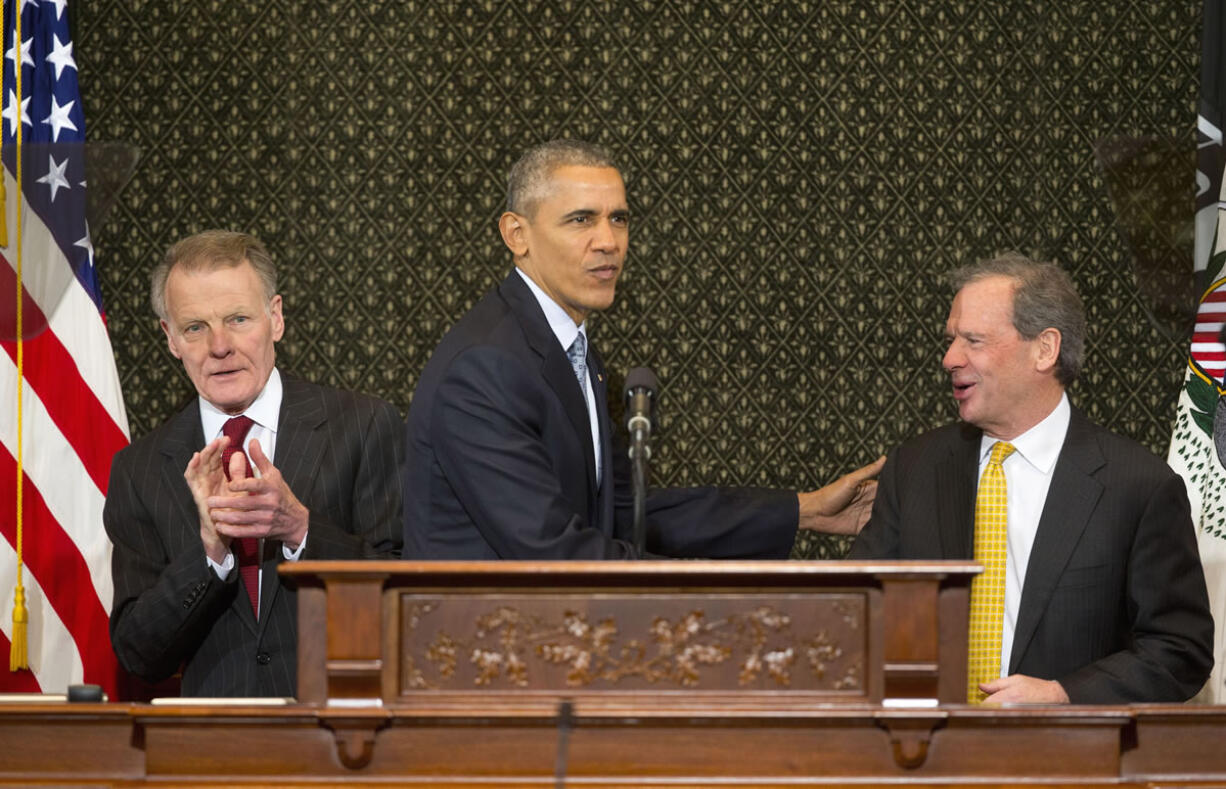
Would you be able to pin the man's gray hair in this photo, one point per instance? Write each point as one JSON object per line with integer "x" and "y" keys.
{"x": 530, "y": 174}
{"x": 1043, "y": 298}
{"x": 211, "y": 250}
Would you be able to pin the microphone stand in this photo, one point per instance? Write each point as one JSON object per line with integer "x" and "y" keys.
{"x": 641, "y": 387}
{"x": 640, "y": 454}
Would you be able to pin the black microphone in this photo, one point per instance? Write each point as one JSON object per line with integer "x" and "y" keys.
{"x": 641, "y": 386}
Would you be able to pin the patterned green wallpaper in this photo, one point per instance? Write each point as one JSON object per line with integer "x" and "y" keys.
{"x": 801, "y": 175}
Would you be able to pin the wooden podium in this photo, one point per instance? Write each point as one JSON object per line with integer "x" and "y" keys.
{"x": 653, "y": 653}
{"x": 677, "y": 636}
{"x": 614, "y": 675}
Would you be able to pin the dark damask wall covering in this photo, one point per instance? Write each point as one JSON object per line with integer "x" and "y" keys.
{"x": 801, "y": 176}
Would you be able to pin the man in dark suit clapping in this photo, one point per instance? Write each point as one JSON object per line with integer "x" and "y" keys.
{"x": 1093, "y": 590}
{"x": 260, "y": 468}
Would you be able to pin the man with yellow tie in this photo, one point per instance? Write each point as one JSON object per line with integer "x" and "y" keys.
{"x": 1092, "y": 590}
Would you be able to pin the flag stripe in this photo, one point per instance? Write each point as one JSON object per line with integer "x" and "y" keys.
{"x": 55, "y": 660}
{"x": 71, "y": 312}
{"x": 55, "y": 561}
{"x": 64, "y": 484}
{"x": 51, "y": 372}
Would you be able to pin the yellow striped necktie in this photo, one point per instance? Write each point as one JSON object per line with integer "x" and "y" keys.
{"x": 988, "y": 589}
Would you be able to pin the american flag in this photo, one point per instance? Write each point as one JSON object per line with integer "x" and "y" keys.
{"x": 71, "y": 417}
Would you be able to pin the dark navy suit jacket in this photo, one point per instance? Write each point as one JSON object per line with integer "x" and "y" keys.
{"x": 500, "y": 463}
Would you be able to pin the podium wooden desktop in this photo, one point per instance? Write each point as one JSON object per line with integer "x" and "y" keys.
{"x": 667, "y": 674}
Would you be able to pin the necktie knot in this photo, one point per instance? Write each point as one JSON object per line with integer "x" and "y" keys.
{"x": 577, "y": 353}
{"x": 235, "y": 429}
{"x": 1000, "y": 451}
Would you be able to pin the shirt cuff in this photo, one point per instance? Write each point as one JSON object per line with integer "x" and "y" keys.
{"x": 223, "y": 569}
{"x": 293, "y": 556}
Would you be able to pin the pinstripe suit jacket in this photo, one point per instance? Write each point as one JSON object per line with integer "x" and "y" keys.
{"x": 1113, "y": 604}
{"x": 339, "y": 452}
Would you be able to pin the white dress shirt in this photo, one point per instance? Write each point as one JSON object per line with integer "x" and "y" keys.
{"x": 1028, "y": 473}
{"x": 264, "y": 412}
{"x": 565, "y": 330}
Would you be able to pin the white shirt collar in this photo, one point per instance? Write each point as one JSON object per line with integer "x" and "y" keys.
{"x": 563, "y": 325}
{"x": 264, "y": 410}
{"x": 1040, "y": 445}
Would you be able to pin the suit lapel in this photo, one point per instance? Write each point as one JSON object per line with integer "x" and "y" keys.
{"x": 603, "y": 514}
{"x": 958, "y": 474}
{"x": 1071, "y": 499}
{"x": 183, "y": 438}
{"x": 555, "y": 366}
{"x": 301, "y": 446}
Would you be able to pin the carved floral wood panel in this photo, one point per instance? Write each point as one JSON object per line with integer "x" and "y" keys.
{"x": 532, "y": 642}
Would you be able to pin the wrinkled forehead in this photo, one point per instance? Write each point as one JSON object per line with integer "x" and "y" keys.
{"x": 214, "y": 286}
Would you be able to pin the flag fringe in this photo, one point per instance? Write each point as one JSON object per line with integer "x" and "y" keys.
{"x": 18, "y": 658}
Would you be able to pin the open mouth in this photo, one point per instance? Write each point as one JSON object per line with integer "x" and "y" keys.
{"x": 604, "y": 272}
{"x": 962, "y": 390}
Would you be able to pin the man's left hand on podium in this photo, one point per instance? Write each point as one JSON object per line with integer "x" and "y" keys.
{"x": 1021, "y": 689}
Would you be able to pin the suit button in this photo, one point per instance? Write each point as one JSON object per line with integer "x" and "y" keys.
{"x": 263, "y": 658}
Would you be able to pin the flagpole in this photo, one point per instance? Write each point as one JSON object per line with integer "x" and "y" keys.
{"x": 18, "y": 652}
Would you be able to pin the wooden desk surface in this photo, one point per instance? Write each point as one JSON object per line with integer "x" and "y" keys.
{"x": 306, "y": 745}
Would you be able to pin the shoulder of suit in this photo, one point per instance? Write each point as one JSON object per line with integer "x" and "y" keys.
{"x": 490, "y": 323}
{"x": 1120, "y": 450}
{"x": 334, "y": 397}
{"x": 151, "y": 442}
{"x": 940, "y": 438}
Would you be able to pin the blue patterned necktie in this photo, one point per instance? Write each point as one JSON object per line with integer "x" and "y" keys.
{"x": 577, "y": 353}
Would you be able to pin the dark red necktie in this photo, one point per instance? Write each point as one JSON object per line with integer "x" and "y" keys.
{"x": 246, "y": 549}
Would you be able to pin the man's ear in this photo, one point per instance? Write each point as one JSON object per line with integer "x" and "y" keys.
{"x": 170, "y": 340}
{"x": 514, "y": 230}
{"x": 1048, "y": 350}
{"x": 274, "y": 314}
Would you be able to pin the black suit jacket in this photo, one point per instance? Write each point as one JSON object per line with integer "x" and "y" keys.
{"x": 500, "y": 462}
{"x": 1113, "y": 604}
{"x": 339, "y": 452}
